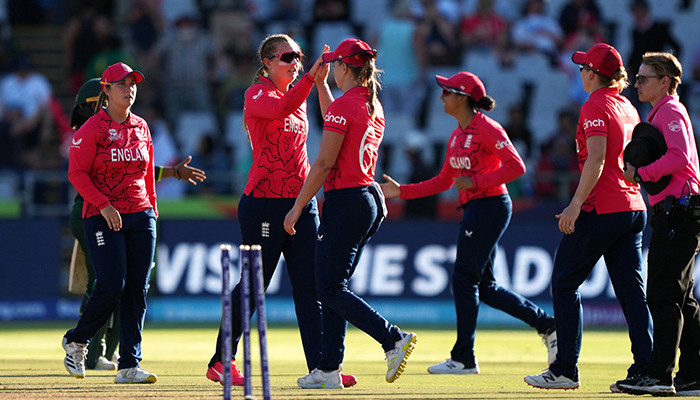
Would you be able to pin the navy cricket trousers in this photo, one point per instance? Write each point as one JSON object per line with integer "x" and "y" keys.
{"x": 483, "y": 223}
{"x": 618, "y": 238}
{"x": 122, "y": 262}
{"x": 350, "y": 217}
{"x": 262, "y": 222}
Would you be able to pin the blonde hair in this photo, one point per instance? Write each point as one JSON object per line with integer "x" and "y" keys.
{"x": 619, "y": 79}
{"x": 368, "y": 76}
{"x": 665, "y": 64}
{"x": 268, "y": 48}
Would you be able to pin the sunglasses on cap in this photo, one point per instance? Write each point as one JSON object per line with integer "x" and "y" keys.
{"x": 288, "y": 56}
{"x": 360, "y": 56}
{"x": 582, "y": 67}
{"x": 446, "y": 91}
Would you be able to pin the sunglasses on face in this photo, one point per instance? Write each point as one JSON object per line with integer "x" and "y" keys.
{"x": 287, "y": 56}
{"x": 582, "y": 67}
{"x": 642, "y": 79}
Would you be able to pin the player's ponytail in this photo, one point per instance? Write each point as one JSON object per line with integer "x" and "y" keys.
{"x": 368, "y": 76}
{"x": 619, "y": 79}
{"x": 102, "y": 101}
{"x": 486, "y": 103}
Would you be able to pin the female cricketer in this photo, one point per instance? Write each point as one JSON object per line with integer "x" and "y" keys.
{"x": 111, "y": 166}
{"x": 277, "y": 124}
{"x": 605, "y": 218}
{"x": 352, "y": 212}
{"x": 480, "y": 160}
{"x": 103, "y": 345}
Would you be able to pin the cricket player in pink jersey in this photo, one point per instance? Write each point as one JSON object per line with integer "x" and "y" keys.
{"x": 111, "y": 166}
{"x": 277, "y": 125}
{"x": 352, "y": 212}
{"x": 605, "y": 218}
{"x": 480, "y": 160}
{"x": 675, "y": 239}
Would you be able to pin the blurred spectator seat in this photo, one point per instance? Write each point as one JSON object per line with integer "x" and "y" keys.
{"x": 190, "y": 128}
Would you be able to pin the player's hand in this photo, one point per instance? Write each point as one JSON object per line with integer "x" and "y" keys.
{"x": 391, "y": 188}
{"x": 567, "y": 219}
{"x": 319, "y": 71}
{"x": 464, "y": 182}
{"x": 112, "y": 216}
{"x": 291, "y": 219}
{"x": 191, "y": 174}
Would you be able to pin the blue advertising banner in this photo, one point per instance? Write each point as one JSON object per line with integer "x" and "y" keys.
{"x": 404, "y": 272}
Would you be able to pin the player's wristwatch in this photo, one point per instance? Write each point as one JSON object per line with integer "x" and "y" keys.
{"x": 637, "y": 178}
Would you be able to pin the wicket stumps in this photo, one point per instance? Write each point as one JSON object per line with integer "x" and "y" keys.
{"x": 252, "y": 277}
{"x": 226, "y": 321}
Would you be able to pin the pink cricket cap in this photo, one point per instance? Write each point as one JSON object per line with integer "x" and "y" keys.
{"x": 118, "y": 72}
{"x": 352, "y": 52}
{"x": 601, "y": 58}
{"x": 464, "y": 83}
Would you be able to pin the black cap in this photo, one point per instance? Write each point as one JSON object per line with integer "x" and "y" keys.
{"x": 647, "y": 145}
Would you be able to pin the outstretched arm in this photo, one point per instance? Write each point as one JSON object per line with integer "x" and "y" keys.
{"x": 182, "y": 170}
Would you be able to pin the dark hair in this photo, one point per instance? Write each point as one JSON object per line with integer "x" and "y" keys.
{"x": 81, "y": 114}
{"x": 486, "y": 103}
{"x": 368, "y": 76}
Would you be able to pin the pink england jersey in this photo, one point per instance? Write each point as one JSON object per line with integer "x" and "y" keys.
{"x": 482, "y": 151}
{"x": 112, "y": 163}
{"x": 608, "y": 113}
{"x": 278, "y": 129}
{"x": 357, "y": 160}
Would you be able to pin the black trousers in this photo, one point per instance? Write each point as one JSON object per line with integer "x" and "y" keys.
{"x": 674, "y": 244}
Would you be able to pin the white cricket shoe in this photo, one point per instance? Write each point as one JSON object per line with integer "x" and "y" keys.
{"x": 547, "y": 380}
{"x": 103, "y": 364}
{"x": 550, "y": 342}
{"x": 76, "y": 353}
{"x": 135, "y": 375}
{"x": 318, "y": 379}
{"x": 396, "y": 357}
{"x": 451, "y": 366}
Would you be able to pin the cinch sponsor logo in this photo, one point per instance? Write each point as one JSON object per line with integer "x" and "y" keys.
{"x": 503, "y": 144}
{"x": 335, "y": 119}
{"x": 127, "y": 155}
{"x": 594, "y": 123}
{"x": 460, "y": 163}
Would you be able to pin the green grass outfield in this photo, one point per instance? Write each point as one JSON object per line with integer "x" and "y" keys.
{"x": 31, "y": 366}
